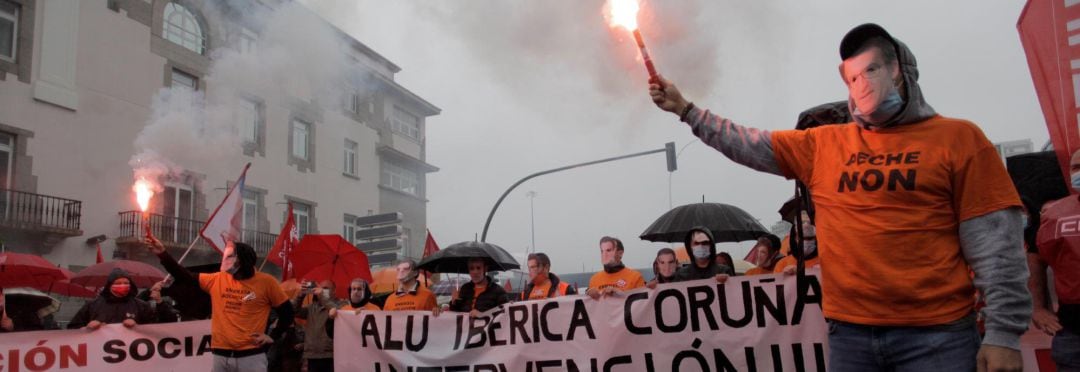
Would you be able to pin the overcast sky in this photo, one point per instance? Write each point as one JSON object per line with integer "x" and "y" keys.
{"x": 531, "y": 85}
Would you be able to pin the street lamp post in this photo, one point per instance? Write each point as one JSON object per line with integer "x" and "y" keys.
{"x": 532, "y": 219}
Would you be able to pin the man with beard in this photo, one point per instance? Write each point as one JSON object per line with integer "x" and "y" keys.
{"x": 241, "y": 300}
{"x": 480, "y": 294}
{"x": 703, "y": 266}
{"x": 116, "y": 304}
{"x": 615, "y": 277}
{"x": 543, "y": 283}
{"x": 906, "y": 201}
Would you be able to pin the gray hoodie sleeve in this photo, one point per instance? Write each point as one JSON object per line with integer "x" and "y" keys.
{"x": 747, "y": 146}
{"x": 993, "y": 246}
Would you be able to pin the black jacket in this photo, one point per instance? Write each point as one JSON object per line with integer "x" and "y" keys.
{"x": 107, "y": 308}
{"x": 691, "y": 271}
{"x": 492, "y": 297}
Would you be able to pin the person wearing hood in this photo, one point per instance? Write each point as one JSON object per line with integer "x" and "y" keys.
{"x": 906, "y": 201}
{"x": 663, "y": 267}
{"x": 241, "y": 299}
{"x": 703, "y": 266}
{"x": 480, "y": 294}
{"x": 615, "y": 277}
{"x": 542, "y": 283}
{"x": 115, "y": 304}
{"x": 359, "y": 300}
{"x": 788, "y": 265}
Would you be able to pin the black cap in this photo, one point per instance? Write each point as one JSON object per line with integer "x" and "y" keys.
{"x": 858, "y": 35}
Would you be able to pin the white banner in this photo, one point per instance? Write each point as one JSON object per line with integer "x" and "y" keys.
{"x": 750, "y": 323}
{"x": 147, "y": 347}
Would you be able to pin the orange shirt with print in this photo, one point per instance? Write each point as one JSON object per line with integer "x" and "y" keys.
{"x": 623, "y": 280}
{"x": 888, "y": 206}
{"x": 239, "y": 307}
{"x": 790, "y": 261}
{"x": 419, "y": 299}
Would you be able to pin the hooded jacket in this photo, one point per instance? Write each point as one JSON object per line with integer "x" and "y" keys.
{"x": 692, "y": 271}
{"x": 108, "y": 309}
{"x": 915, "y": 108}
{"x": 493, "y": 296}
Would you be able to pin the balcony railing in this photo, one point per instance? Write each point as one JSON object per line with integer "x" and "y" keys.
{"x": 25, "y": 210}
{"x": 175, "y": 231}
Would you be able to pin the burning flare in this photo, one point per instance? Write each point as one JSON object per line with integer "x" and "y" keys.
{"x": 623, "y": 13}
{"x": 144, "y": 190}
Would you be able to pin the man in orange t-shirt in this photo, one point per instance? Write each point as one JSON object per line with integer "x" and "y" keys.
{"x": 906, "y": 201}
{"x": 410, "y": 295}
{"x": 240, "y": 300}
{"x": 615, "y": 277}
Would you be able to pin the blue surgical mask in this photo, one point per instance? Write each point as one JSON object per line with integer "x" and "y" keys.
{"x": 1076, "y": 181}
{"x": 701, "y": 251}
{"x": 888, "y": 108}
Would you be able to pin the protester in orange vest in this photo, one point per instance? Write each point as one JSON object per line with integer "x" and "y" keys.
{"x": 410, "y": 295}
{"x": 664, "y": 266}
{"x": 905, "y": 200}
{"x": 542, "y": 283}
{"x": 766, "y": 255}
{"x": 615, "y": 277}
{"x": 788, "y": 265}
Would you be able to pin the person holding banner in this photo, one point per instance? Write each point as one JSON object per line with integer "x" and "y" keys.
{"x": 700, "y": 242}
{"x": 542, "y": 283}
{"x": 615, "y": 277}
{"x": 241, "y": 300}
{"x": 359, "y": 300}
{"x": 115, "y": 304}
{"x": 1058, "y": 243}
{"x": 480, "y": 294}
{"x": 6, "y": 324}
{"x": 906, "y": 201}
{"x": 664, "y": 266}
{"x": 410, "y": 295}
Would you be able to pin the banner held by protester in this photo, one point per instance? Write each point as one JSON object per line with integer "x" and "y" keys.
{"x": 749, "y": 322}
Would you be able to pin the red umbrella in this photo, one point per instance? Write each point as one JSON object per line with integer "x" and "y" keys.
{"x": 330, "y": 257}
{"x": 67, "y": 288}
{"x": 143, "y": 275}
{"x": 26, "y": 270}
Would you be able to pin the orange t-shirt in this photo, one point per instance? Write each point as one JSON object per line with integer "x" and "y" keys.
{"x": 477, "y": 290}
{"x": 623, "y": 280}
{"x": 239, "y": 307}
{"x": 790, "y": 261}
{"x": 419, "y": 299}
{"x": 889, "y": 203}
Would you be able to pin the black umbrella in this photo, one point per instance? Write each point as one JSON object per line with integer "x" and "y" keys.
{"x": 728, "y": 223}
{"x": 455, "y": 258}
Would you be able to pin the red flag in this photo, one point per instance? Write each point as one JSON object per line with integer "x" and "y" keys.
{"x": 509, "y": 288}
{"x": 100, "y": 259}
{"x": 287, "y": 239}
{"x": 224, "y": 223}
{"x": 430, "y": 247}
{"x": 1047, "y": 34}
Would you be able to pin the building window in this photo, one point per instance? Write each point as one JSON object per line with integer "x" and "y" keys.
{"x": 178, "y": 210}
{"x": 302, "y": 217}
{"x": 300, "y": 131}
{"x": 7, "y": 155}
{"x": 247, "y": 116}
{"x": 350, "y": 157}
{"x": 405, "y": 123}
{"x": 9, "y": 26}
{"x": 358, "y": 103}
{"x": 400, "y": 179}
{"x": 185, "y": 80}
{"x": 183, "y": 29}
{"x": 246, "y": 40}
{"x": 349, "y": 228}
{"x": 250, "y": 215}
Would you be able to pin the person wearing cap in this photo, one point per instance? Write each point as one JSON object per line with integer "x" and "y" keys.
{"x": 906, "y": 201}
{"x": 1058, "y": 242}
